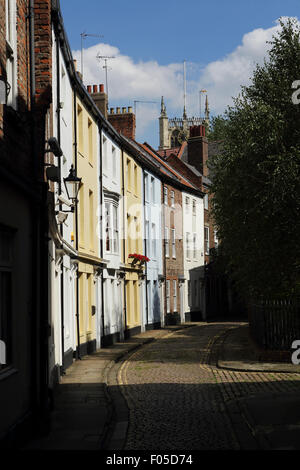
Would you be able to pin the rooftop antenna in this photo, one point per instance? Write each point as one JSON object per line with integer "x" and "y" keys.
{"x": 105, "y": 58}
{"x": 141, "y": 101}
{"x": 84, "y": 35}
{"x": 201, "y": 91}
{"x": 184, "y": 90}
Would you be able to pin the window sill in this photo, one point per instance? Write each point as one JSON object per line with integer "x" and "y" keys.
{"x": 8, "y": 372}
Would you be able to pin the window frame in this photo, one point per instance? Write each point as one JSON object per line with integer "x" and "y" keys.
{"x": 153, "y": 236}
{"x": 113, "y": 229}
{"x": 167, "y": 243}
{"x": 174, "y": 295}
{"x": 7, "y": 270}
{"x": 195, "y": 245}
{"x": 11, "y": 51}
{"x": 187, "y": 205}
{"x": 188, "y": 248}
{"x": 206, "y": 202}
{"x": 168, "y": 296}
{"x": 172, "y": 198}
{"x": 206, "y": 240}
{"x": 165, "y": 196}
{"x": 173, "y": 238}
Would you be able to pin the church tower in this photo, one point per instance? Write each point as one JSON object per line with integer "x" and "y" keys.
{"x": 164, "y": 138}
{"x": 173, "y": 132}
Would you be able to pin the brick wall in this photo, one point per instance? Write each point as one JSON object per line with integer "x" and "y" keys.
{"x": 123, "y": 123}
{"x": 15, "y": 125}
{"x": 198, "y": 149}
{"x": 43, "y": 53}
{"x": 184, "y": 170}
{"x": 23, "y": 56}
{"x": 173, "y": 219}
{"x": 99, "y": 97}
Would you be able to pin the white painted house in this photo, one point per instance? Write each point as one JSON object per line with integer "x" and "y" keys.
{"x": 193, "y": 256}
{"x": 111, "y": 319}
{"x": 62, "y": 279}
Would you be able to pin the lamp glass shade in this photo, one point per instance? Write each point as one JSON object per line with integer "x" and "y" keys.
{"x": 72, "y": 184}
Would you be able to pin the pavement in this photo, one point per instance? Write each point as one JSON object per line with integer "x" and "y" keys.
{"x": 272, "y": 418}
{"x": 90, "y": 412}
{"x": 83, "y": 406}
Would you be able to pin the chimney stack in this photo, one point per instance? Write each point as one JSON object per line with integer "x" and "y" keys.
{"x": 99, "y": 97}
{"x": 198, "y": 149}
{"x": 124, "y": 122}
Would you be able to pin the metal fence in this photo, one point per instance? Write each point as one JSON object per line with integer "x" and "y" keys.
{"x": 275, "y": 324}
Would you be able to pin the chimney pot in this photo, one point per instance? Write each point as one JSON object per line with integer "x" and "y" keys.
{"x": 130, "y": 109}
{"x": 112, "y": 110}
{"x": 89, "y": 88}
{"x": 118, "y": 110}
{"x": 124, "y": 109}
{"x": 95, "y": 88}
{"x": 101, "y": 88}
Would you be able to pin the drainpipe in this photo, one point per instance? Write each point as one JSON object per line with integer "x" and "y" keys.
{"x": 124, "y": 245}
{"x": 145, "y": 248}
{"x": 62, "y": 369}
{"x": 76, "y": 231}
{"x": 101, "y": 228}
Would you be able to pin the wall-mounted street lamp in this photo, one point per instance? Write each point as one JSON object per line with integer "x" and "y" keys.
{"x": 53, "y": 172}
{"x": 54, "y": 147}
{"x": 72, "y": 185}
{"x": 4, "y": 89}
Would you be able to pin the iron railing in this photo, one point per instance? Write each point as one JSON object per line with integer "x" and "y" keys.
{"x": 275, "y": 324}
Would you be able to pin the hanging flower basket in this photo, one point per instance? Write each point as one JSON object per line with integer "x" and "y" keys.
{"x": 136, "y": 258}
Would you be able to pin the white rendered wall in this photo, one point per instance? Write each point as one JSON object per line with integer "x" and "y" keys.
{"x": 194, "y": 263}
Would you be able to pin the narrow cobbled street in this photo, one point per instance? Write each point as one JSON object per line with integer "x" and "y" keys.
{"x": 178, "y": 399}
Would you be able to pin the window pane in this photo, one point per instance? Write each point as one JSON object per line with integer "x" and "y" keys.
{"x": 108, "y": 227}
{"x": 5, "y": 315}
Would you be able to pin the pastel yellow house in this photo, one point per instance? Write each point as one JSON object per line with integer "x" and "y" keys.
{"x": 133, "y": 240}
{"x": 88, "y": 245}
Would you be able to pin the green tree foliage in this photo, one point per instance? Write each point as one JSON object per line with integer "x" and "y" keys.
{"x": 256, "y": 177}
{"x": 217, "y": 128}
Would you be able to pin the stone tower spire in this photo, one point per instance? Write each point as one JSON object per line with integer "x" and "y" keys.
{"x": 163, "y": 111}
{"x": 164, "y": 138}
{"x": 206, "y": 112}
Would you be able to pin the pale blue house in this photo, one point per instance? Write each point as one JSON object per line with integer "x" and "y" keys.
{"x": 153, "y": 249}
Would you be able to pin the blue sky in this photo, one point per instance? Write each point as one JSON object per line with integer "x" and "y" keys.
{"x": 221, "y": 42}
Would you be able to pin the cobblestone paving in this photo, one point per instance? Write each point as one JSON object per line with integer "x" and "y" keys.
{"x": 177, "y": 396}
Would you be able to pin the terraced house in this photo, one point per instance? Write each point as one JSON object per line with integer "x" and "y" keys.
{"x": 93, "y": 234}
{"x": 133, "y": 240}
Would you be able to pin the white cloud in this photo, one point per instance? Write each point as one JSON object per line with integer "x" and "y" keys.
{"x": 223, "y": 78}
{"x": 129, "y": 80}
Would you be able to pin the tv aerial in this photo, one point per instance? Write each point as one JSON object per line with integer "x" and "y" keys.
{"x": 84, "y": 35}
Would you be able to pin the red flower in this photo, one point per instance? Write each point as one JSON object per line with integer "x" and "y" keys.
{"x": 139, "y": 257}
